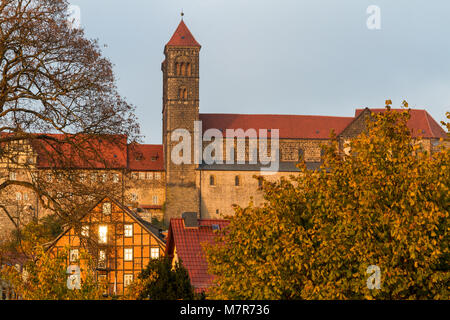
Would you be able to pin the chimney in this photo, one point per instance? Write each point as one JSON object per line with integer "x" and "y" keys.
{"x": 190, "y": 219}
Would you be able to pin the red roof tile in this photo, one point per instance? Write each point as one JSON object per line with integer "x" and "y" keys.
{"x": 81, "y": 151}
{"x": 145, "y": 157}
{"x": 421, "y": 123}
{"x": 183, "y": 37}
{"x": 188, "y": 243}
{"x": 290, "y": 126}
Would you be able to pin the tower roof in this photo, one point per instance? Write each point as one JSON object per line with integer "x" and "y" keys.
{"x": 183, "y": 37}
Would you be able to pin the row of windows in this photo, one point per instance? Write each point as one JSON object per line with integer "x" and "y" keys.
{"x": 127, "y": 280}
{"x": 20, "y": 196}
{"x": 183, "y": 69}
{"x": 146, "y": 175}
{"x": 237, "y": 181}
{"x": 128, "y": 254}
{"x": 135, "y": 197}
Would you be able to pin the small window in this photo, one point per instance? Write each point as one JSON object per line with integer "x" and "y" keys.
{"x": 128, "y": 230}
{"x": 106, "y": 209}
{"x": 134, "y": 176}
{"x": 49, "y": 177}
{"x": 149, "y": 175}
{"x": 155, "y": 199}
{"x": 237, "y": 181}
{"x": 85, "y": 231}
{"x": 115, "y": 177}
{"x": 103, "y": 234}
{"x": 18, "y": 196}
{"x": 104, "y": 177}
{"x": 142, "y": 175}
{"x": 102, "y": 280}
{"x": 154, "y": 253}
{"x": 25, "y": 196}
{"x": 212, "y": 180}
{"x": 128, "y": 254}
{"x": 74, "y": 253}
{"x": 134, "y": 197}
{"x": 82, "y": 177}
{"x": 157, "y": 175}
{"x": 127, "y": 280}
{"x": 93, "y": 177}
{"x": 12, "y": 176}
{"x": 102, "y": 255}
{"x": 301, "y": 154}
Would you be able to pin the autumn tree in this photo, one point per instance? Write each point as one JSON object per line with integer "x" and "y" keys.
{"x": 59, "y": 105}
{"x": 384, "y": 204}
{"x": 45, "y": 278}
{"x": 160, "y": 281}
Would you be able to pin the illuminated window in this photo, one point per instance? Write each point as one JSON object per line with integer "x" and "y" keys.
{"x": 74, "y": 253}
{"x": 128, "y": 230}
{"x": 106, "y": 208}
{"x": 102, "y": 234}
{"x": 154, "y": 253}
{"x": 128, "y": 254}
{"x": 12, "y": 176}
{"x": 85, "y": 231}
{"x": 127, "y": 280}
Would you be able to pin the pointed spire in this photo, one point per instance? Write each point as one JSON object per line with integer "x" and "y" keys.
{"x": 182, "y": 36}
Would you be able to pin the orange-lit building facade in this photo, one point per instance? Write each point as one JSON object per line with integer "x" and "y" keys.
{"x": 119, "y": 241}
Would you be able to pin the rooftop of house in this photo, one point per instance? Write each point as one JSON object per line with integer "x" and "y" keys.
{"x": 187, "y": 235}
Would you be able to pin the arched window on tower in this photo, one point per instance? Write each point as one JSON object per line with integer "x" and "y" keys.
{"x": 182, "y": 93}
{"x": 177, "y": 68}
{"x": 183, "y": 69}
{"x": 188, "y": 69}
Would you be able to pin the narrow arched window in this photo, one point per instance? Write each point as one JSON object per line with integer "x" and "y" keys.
{"x": 188, "y": 69}
{"x": 185, "y": 94}
{"x": 237, "y": 181}
{"x": 301, "y": 154}
{"x": 212, "y": 180}
{"x": 177, "y": 68}
{"x": 183, "y": 69}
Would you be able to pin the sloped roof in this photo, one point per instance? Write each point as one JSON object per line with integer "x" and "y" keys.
{"x": 183, "y": 37}
{"x": 290, "y": 126}
{"x": 145, "y": 157}
{"x": 81, "y": 151}
{"x": 421, "y": 123}
{"x": 188, "y": 243}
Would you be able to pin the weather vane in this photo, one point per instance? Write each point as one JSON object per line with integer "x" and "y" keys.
{"x": 182, "y": 14}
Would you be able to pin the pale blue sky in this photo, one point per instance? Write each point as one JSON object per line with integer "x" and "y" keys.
{"x": 280, "y": 56}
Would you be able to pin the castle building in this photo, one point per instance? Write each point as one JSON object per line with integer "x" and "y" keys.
{"x": 147, "y": 179}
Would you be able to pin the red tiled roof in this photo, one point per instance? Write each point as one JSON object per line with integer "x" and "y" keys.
{"x": 290, "y": 126}
{"x": 188, "y": 243}
{"x": 81, "y": 151}
{"x": 421, "y": 123}
{"x": 145, "y": 157}
{"x": 183, "y": 37}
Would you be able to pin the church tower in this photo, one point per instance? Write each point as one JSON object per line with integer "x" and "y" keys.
{"x": 180, "y": 109}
